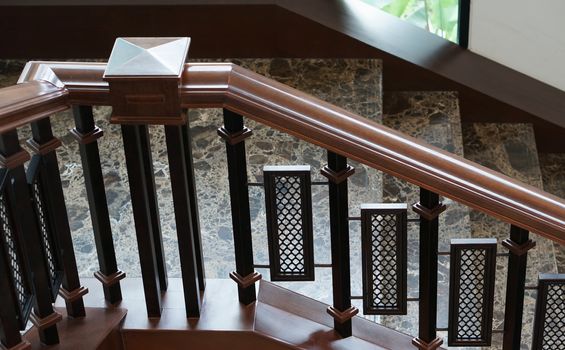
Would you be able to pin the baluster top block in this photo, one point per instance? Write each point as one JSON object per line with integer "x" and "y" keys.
{"x": 144, "y": 75}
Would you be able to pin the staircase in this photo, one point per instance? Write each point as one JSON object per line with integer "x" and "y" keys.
{"x": 301, "y": 320}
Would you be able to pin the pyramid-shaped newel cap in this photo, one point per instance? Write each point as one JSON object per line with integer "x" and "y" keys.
{"x": 144, "y": 75}
{"x": 147, "y": 57}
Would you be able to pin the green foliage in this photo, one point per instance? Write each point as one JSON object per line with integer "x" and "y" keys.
{"x": 437, "y": 16}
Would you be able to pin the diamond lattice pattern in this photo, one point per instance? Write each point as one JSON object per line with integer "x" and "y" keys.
{"x": 13, "y": 255}
{"x": 554, "y": 322}
{"x": 289, "y": 223}
{"x": 46, "y": 237}
{"x": 471, "y": 294}
{"x": 384, "y": 262}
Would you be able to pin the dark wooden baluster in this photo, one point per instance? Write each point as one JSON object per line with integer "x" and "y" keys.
{"x": 15, "y": 289}
{"x": 429, "y": 208}
{"x": 518, "y": 244}
{"x": 233, "y": 132}
{"x": 44, "y": 144}
{"x": 195, "y": 217}
{"x": 86, "y": 133}
{"x": 140, "y": 201}
{"x": 154, "y": 210}
{"x": 9, "y": 323}
{"x": 18, "y": 196}
{"x": 337, "y": 171}
{"x": 180, "y": 183}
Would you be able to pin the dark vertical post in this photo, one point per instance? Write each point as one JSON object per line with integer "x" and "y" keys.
{"x": 137, "y": 175}
{"x": 18, "y": 195}
{"x": 464, "y": 23}
{"x": 518, "y": 245}
{"x": 195, "y": 217}
{"x": 154, "y": 208}
{"x": 429, "y": 208}
{"x": 233, "y": 132}
{"x": 44, "y": 144}
{"x": 86, "y": 133}
{"x": 337, "y": 171}
{"x": 183, "y": 217}
{"x": 9, "y": 324}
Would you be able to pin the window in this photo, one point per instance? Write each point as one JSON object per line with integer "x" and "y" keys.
{"x": 436, "y": 16}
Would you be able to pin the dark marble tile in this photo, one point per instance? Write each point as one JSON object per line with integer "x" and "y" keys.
{"x": 553, "y": 172}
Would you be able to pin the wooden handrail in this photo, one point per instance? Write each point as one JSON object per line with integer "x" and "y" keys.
{"x": 24, "y": 103}
{"x": 219, "y": 85}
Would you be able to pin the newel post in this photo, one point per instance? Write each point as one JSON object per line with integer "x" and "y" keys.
{"x": 144, "y": 76}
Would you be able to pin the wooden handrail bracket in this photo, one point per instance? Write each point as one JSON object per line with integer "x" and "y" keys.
{"x": 46, "y": 87}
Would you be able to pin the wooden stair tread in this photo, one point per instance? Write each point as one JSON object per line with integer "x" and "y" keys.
{"x": 280, "y": 319}
{"x": 91, "y": 332}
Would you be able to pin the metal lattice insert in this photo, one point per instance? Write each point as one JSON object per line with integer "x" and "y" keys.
{"x": 384, "y": 258}
{"x": 289, "y": 222}
{"x": 47, "y": 238}
{"x": 13, "y": 253}
{"x": 549, "y": 325}
{"x": 471, "y": 291}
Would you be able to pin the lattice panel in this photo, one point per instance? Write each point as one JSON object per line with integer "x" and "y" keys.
{"x": 289, "y": 222}
{"x": 384, "y": 257}
{"x": 47, "y": 237}
{"x": 549, "y": 324}
{"x": 471, "y": 296}
{"x": 13, "y": 254}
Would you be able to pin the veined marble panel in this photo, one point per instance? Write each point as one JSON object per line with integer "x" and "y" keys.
{"x": 553, "y": 172}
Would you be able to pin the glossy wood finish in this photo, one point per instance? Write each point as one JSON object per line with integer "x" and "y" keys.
{"x": 226, "y": 324}
{"x": 342, "y": 132}
{"x": 85, "y": 333}
{"x": 24, "y": 103}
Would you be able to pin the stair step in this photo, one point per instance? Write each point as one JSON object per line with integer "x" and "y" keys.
{"x": 280, "y": 319}
{"x": 510, "y": 149}
{"x": 98, "y": 330}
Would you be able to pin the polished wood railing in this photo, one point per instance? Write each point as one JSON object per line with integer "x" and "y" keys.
{"x": 224, "y": 85}
{"x": 45, "y": 88}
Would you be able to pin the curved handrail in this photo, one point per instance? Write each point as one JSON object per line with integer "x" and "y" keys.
{"x": 218, "y": 85}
